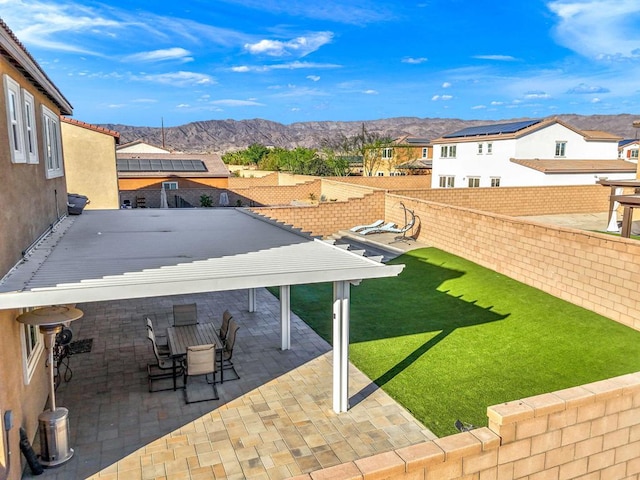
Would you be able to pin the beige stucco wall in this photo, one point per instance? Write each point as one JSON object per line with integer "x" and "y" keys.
{"x": 30, "y": 203}
{"x": 90, "y": 165}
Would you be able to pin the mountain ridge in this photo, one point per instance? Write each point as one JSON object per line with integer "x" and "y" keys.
{"x": 220, "y": 136}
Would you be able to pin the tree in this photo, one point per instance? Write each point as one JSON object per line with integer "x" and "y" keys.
{"x": 370, "y": 146}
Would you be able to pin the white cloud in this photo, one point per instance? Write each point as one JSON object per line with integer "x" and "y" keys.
{"x": 284, "y": 66}
{"x": 414, "y": 60}
{"x": 178, "y": 79}
{"x": 598, "y": 29}
{"x": 478, "y": 107}
{"x": 299, "y": 46}
{"x": 370, "y": 92}
{"x": 446, "y": 85}
{"x": 536, "y": 95}
{"x": 496, "y": 104}
{"x": 313, "y": 78}
{"x": 161, "y": 55}
{"x": 183, "y": 105}
{"x": 441, "y": 97}
{"x": 595, "y": 100}
{"x": 584, "y": 88}
{"x": 229, "y": 102}
{"x": 499, "y": 58}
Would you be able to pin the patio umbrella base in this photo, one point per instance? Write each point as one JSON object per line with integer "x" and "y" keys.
{"x": 54, "y": 437}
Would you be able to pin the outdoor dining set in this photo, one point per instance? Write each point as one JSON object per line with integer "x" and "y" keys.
{"x": 192, "y": 349}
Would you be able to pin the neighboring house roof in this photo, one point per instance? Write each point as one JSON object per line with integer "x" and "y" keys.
{"x": 17, "y": 54}
{"x": 418, "y": 164}
{"x": 406, "y": 140}
{"x": 106, "y": 255}
{"x": 136, "y": 165}
{"x": 627, "y": 142}
{"x": 577, "y": 166}
{"x": 514, "y": 130}
{"x": 145, "y": 147}
{"x": 88, "y": 126}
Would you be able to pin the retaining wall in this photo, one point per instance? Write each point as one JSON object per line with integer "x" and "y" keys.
{"x": 588, "y": 432}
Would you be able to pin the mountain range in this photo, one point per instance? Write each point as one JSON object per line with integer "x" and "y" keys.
{"x": 220, "y": 136}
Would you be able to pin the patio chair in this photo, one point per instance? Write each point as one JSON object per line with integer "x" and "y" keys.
{"x": 163, "y": 368}
{"x": 201, "y": 360}
{"x": 163, "y": 348}
{"x": 377, "y": 223}
{"x": 224, "y": 327}
{"x": 185, "y": 314}
{"x": 379, "y": 229}
{"x": 226, "y": 354}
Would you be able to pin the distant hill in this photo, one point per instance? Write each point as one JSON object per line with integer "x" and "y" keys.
{"x": 227, "y": 135}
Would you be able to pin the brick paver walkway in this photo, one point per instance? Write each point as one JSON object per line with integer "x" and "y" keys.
{"x": 275, "y": 422}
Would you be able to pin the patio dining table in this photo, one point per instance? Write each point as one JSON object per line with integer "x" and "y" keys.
{"x": 181, "y": 337}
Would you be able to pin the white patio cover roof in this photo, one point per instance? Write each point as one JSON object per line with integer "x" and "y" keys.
{"x": 115, "y": 254}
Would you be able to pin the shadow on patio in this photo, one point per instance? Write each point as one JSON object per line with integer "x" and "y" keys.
{"x": 276, "y": 421}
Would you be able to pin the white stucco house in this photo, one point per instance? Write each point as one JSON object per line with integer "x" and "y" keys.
{"x": 628, "y": 149}
{"x": 526, "y": 153}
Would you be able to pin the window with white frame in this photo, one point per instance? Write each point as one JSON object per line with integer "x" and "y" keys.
{"x": 489, "y": 148}
{"x": 480, "y": 149}
{"x": 448, "y": 151}
{"x": 30, "y": 136}
{"x": 14, "y": 120}
{"x": 425, "y": 152}
{"x": 52, "y": 143}
{"x": 447, "y": 181}
{"x": 170, "y": 185}
{"x": 32, "y": 347}
{"x": 495, "y": 181}
{"x": 387, "y": 153}
{"x": 474, "y": 182}
{"x": 633, "y": 153}
{"x": 561, "y": 148}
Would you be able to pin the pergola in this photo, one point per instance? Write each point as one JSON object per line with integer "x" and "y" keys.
{"x": 134, "y": 253}
{"x": 616, "y": 199}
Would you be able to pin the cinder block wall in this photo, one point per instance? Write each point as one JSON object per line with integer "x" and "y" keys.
{"x": 248, "y": 182}
{"x": 588, "y": 432}
{"x": 594, "y": 270}
{"x": 332, "y": 190}
{"x": 389, "y": 183}
{"x": 329, "y": 217}
{"x": 520, "y": 200}
{"x": 275, "y": 195}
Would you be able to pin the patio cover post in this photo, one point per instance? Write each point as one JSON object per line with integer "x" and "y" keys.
{"x": 252, "y": 299}
{"x": 341, "y": 295}
{"x": 613, "y": 206}
{"x": 285, "y": 316}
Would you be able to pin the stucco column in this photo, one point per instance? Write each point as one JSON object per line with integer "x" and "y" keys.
{"x": 341, "y": 296}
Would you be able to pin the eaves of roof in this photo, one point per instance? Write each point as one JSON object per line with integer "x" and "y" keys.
{"x": 553, "y": 166}
{"x": 17, "y": 54}
{"x": 88, "y": 126}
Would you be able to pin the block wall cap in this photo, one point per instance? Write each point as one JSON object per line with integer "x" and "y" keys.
{"x": 510, "y": 412}
{"x": 459, "y": 445}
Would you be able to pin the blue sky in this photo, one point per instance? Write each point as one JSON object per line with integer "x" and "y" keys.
{"x": 141, "y": 62}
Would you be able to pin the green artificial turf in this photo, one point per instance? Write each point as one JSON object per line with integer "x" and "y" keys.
{"x": 448, "y": 338}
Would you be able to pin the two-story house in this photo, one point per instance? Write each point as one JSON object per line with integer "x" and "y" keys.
{"x": 403, "y": 155}
{"x": 526, "y": 153}
{"x": 628, "y": 149}
{"x": 34, "y": 199}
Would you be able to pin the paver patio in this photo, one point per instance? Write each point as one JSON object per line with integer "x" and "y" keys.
{"x": 276, "y": 421}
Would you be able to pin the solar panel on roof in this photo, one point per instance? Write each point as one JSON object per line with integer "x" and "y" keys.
{"x": 160, "y": 165}
{"x": 494, "y": 129}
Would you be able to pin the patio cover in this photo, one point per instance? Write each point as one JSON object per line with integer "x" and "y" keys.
{"x": 106, "y": 255}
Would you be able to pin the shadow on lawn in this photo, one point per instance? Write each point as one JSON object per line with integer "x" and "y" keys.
{"x": 431, "y": 310}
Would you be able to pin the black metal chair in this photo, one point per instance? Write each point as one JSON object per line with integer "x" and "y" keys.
{"x": 200, "y": 361}
{"x": 226, "y": 353}
{"x": 164, "y": 367}
{"x": 163, "y": 348}
{"x": 185, "y": 314}
{"x": 224, "y": 326}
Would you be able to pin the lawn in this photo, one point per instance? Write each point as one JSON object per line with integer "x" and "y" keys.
{"x": 448, "y": 338}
